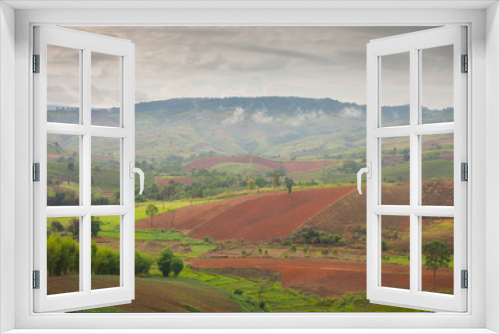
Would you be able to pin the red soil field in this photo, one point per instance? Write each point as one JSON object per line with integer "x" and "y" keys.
{"x": 326, "y": 277}
{"x": 101, "y": 157}
{"x": 165, "y": 181}
{"x": 290, "y": 166}
{"x": 254, "y": 218}
{"x": 152, "y": 295}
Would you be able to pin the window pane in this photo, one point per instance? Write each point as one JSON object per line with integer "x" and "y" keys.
{"x": 437, "y": 84}
{"x": 437, "y": 170}
{"x": 63, "y": 255}
{"x": 395, "y": 250}
{"x": 105, "y": 171}
{"x": 437, "y": 254}
{"x": 63, "y": 84}
{"x": 395, "y": 89}
{"x": 63, "y": 170}
{"x": 105, "y": 252}
{"x": 105, "y": 89}
{"x": 395, "y": 153}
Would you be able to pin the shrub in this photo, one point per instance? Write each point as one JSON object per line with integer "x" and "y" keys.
{"x": 293, "y": 248}
{"x": 260, "y": 250}
{"x": 266, "y": 252}
{"x": 238, "y": 292}
{"x": 165, "y": 261}
{"x": 324, "y": 252}
{"x": 63, "y": 255}
{"x": 168, "y": 262}
{"x": 95, "y": 226}
{"x": 305, "y": 250}
{"x": 385, "y": 245}
{"x": 56, "y": 226}
{"x": 177, "y": 265}
{"x": 105, "y": 261}
{"x": 142, "y": 263}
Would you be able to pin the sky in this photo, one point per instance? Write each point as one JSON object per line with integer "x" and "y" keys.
{"x": 317, "y": 62}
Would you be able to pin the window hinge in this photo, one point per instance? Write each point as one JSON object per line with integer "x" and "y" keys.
{"x": 36, "y": 279}
{"x": 465, "y": 279}
{"x": 465, "y": 64}
{"x": 464, "y": 171}
{"x": 36, "y": 63}
{"x": 36, "y": 172}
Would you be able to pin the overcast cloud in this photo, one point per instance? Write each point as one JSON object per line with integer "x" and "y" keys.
{"x": 173, "y": 62}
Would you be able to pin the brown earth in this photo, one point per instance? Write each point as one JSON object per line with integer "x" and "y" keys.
{"x": 289, "y": 166}
{"x": 327, "y": 277}
{"x": 153, "y": 295}
{"x": 260, "y": 217}
{"x": 164, "y": 181}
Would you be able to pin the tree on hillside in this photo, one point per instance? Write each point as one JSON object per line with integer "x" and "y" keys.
{"x": 168, "y": 262}
{"x": 251, "y": 183}
{"x": 289, "y": 184}
{"x": 74, "y": 227}
{"x": 95, "y": 226}
{"x": 437, "y": 255}
{"x": 56, "y": 226}
{"x": 167, "y": 192}
{"x": 151, "y": 210}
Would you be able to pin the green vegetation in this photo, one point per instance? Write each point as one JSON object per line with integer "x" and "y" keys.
{"x": 437, "y": 255}
{"x": 63, "y": 255}
{"x": 168, "y": 262}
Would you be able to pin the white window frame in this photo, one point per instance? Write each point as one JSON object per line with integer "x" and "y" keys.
{"x": 86, "y": 44}
{"x": 483, "y": 21}
{"x": 414, "y": 44}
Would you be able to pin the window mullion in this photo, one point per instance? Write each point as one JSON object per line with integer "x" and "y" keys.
{"x": 414, "y": 169}
{"x": 85, "y": 243}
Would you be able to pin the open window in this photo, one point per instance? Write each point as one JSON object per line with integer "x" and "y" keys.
{"x": 88, "y": 132}
{"x": 416, "y": 195}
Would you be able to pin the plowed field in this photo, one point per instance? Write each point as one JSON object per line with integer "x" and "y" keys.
{"x": 326, "y": 277}
{"x": 254, "y": 218}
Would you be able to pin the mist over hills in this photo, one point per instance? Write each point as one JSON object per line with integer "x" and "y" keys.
{"x": 276, "y": 127}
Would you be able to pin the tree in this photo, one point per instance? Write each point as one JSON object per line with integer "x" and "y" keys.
{"x": 56, "y": 226}
{"x": 164, "y": 262}
{"x": 289, "y": 184}
{"x": 71, "y": 166}
{"x": 251, "y": 184}
{"x": 74, "y": 227}
{"x": 168, "y": 262}
{"x": 437, "y": 255}
{"x": 142, "y": 263}
{"x": 95, "y": 226}
{"x": 151, "y": 210}
{"x": 177, "y": 265}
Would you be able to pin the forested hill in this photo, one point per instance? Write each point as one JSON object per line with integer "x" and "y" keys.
{"x": 265, "y": 126}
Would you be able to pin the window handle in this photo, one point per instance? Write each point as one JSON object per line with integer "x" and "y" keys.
{"x": 368, "y": 171}
{"x": 139, "y": 171}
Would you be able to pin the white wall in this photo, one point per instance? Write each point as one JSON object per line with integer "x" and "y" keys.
{"x": 7, "y": 160}
{"x": 492, "y": 166}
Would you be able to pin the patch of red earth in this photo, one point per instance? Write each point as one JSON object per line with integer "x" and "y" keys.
{"x": 252, "y": 217}
{"x": 247, "y": 159}
{"x": 389, "y": 161}
{"x": 164, "y": 181}
{"x": 326, "y": 277}
{"x": 102, "y": 157}
{"x": 188, "y": 218}
{"x": 270, "y": 216}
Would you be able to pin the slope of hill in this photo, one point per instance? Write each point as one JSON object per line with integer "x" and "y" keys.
{"x": 272, "y": 164}
{"x": 260, "y": 217}
{"x": 271, "y": 126}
